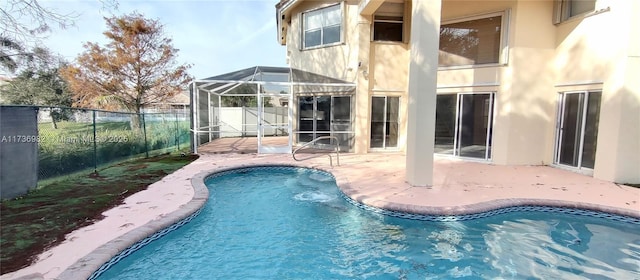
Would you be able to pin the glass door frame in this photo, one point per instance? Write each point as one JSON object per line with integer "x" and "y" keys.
{"x": 315, "y": 133}
{"x": 266, "y": 149}
{"x": 333, "y": 123}
{"x": 457, "y": 126}
{"x": 488, "y": 145}
{"x": 384, "y": 128}
{"x": 560, "y": 119}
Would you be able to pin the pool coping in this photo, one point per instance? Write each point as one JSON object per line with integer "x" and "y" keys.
{"x": 479, "y": 207}
{"x": 92, "y": 262}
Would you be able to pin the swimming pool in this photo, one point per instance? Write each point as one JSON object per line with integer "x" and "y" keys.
{"x": 283, "y": 222}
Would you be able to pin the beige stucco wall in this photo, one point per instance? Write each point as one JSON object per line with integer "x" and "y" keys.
{"x": 596, "y": 52}
{"x": 349, "y": 61}
{"x": 600, "y": 52}
{"x": 604, "y": 48}
{"x": 339, "y": 61}
{"x": 389, "y": 75}
{"x": 376, "y": 68}
{"x": 525, "y": 102}
{"x": 389, "y": 64}
{"x": 522, "y": 82}
{"x": 363, "y": 87}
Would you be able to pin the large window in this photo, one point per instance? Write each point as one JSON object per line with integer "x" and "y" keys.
{"x": 322, "y": 27}
{"x": 566, "y": 9}
{"x": 388, "y": 22}
{"x": 471, "y": 42}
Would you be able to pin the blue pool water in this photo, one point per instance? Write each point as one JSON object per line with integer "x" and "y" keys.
{"x": 292, "y": 223}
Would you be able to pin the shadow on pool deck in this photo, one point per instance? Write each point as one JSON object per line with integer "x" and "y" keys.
{"x": 374, "y": 179}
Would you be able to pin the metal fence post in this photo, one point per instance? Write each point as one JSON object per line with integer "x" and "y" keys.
{"x": 95, "y": 145}
{"x": 144, "y": 130}
{"x": 177, "y": 132}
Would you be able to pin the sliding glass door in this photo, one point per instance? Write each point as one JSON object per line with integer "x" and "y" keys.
{"x": 464, "y": 124}
{"x": 341, "y": 121}
{"x": 306, "y": 118}
{"x": 384, "y": 122}
{"x": 577, "y": 129}
{"x": 475, "y": 119}
{"x": 446, "y": 112}
{"x": 324, "y": 116}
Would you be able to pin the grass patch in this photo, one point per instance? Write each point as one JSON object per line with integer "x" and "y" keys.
{"x": 40, "y": 220}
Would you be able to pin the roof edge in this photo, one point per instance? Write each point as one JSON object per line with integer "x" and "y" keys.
{"x": 282, "y": 8}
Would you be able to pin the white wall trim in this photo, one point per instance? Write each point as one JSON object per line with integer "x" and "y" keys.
{"x": 469, "y": 85}
{"x": 579, "y": 83}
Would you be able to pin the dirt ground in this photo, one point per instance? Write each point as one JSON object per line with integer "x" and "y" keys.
{"x": 31, "y": 224}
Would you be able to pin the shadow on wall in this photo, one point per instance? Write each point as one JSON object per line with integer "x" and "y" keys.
{"x": 525, "y": 110}
{"x": 334, "y": 61}
{"x": 576, "y": 61}
{"x": 618, "y": 143}
{"x": 527, "y": 106}
{"x": 389, "y": 67}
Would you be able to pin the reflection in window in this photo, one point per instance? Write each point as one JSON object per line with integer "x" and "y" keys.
{"x": 471, "y": 42}
{"x": 322, "y": 26}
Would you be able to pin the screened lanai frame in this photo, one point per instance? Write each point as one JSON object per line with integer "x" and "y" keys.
{"x": 282, "y": 84}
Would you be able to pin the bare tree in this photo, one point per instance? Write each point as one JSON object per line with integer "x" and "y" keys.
{"x": 23, "y": 19}
{"x": 25, "y": 22}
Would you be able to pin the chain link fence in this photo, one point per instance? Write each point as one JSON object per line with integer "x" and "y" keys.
{"x": 72, "y": 140}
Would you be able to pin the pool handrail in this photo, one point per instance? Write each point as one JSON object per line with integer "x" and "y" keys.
{"x": 337, "y": 148}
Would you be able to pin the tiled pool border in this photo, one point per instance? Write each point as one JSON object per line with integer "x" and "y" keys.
{"x": 107, "y": 255}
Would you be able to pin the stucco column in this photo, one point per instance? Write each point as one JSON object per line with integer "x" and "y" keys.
{"x": 423, "y": 70}
{"x": 364, "y": 85}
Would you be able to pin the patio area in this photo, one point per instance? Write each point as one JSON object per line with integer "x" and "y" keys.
{"x": 377, "y": 180}
{"x": 240, "y": 145}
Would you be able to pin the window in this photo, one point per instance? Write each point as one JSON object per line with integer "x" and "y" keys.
{"x": 322, "y": 27}
{"x": 471, "y": 42}
{"x": 565, "y": 9}
{"x": 388, "y": 22}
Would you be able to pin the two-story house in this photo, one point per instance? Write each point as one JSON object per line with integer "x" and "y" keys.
{"x": 514, "y": 82}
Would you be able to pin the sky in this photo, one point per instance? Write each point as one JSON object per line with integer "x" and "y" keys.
{"x": 214, "y": 36}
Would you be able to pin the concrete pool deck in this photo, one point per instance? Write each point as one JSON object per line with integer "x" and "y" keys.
{"x": 373, "y": 179}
